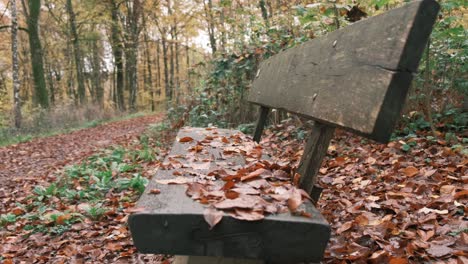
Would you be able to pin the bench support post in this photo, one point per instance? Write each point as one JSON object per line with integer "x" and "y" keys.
{"x": 314, "y": 152}
{"x": 261, "y": 123}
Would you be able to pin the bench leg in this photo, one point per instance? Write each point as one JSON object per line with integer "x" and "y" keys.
{"x": 213, "y": 260}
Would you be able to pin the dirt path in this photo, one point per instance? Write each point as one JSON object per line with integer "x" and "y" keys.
{"x": 37, "y": 158}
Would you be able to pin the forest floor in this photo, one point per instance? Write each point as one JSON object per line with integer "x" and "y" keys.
{"x": 36, "y": 159}
{"x": 403, "y": 202}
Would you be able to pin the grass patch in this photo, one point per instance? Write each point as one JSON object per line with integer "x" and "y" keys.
{"x": 97, "y": 189}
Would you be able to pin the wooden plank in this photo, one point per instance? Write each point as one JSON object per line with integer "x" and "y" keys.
{"x": 261, "y": 123}
{"x": 173, "y": 223}
{"x": 356, "y": 77}
{"x": 314, "y": 152}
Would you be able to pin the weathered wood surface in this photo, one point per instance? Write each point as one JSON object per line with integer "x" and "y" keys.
{"x": 173, "y": 223}
{"x": 356, "y": 77}
{"x": 314, "y": 152}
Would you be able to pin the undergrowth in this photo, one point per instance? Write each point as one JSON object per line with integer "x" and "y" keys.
{"x": 93, "y": 190}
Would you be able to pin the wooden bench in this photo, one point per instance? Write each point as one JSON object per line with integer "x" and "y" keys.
{"x": 355, "y": 78}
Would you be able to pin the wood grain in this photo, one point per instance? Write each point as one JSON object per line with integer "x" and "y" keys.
{"x": 173, "y": 223}
{"x": 356, "y": 77}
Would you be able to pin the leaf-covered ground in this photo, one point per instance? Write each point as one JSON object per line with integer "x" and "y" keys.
{"x": 404, "y": 202}
{"x": 63, "y": 198}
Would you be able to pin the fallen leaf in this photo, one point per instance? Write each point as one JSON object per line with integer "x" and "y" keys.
{"x": 447, "y": 189}
{"x": 62, "y": 218}
{"x": 200, "y": 166}
{"x": 135, "y": 210}
{"x": 410, "y": 171}
{"x": 346, "y": 226}
{"x": 155, "y": 191}
{"x": 114, "y": 246}
{"x": 185, "y": 139}
{"x": 295, "y": 199}
{"x": 253, "y": 174}
{"x": 281, "y": 175}
{"x": 17, "y": 211}
{"x": 362, "y": 220}
{"x": 248, "y": 215}
{"x": 378, "y": 257}
{"x": 243, "y": 201}
{"x": 426, "y": 210}
{"x": 212, "y": 216}
{"x": 177, "y": 180}
{"x": 395, "y": 260}
{"x": 461, "y": 194}
{"x": 231, "y": 194}
{"x": 246, "y": 190}
{"x": 439, "y": 250}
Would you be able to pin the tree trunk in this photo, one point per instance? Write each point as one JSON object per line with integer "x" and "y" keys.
{"x": 77, "y": 53}
{"x": 158, "y": 67}
{"x": 211, "y": 26}
{"x": 187, "y": 61}
{"x": 167, "y": 87}
{"x": 71, "y": 92}
{"x": 50, "y": 79}
{"x": 15, "y": 64}
{"x": 264, "y": 13}
{"x": 149, "y": 76}
{"x": 132, "y": 52}
{"x": 96, "y": 64}
{"x": 223, "y": 29}
{"x": 171, "y": 47}
{"x": 117, "y": 50}
{"x": 40, "y": 91}
{"x": 428, "y": 92}
{"x": 177, "y": 70}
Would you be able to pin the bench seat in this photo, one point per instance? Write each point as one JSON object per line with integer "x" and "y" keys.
{"x": 172, "y": 223}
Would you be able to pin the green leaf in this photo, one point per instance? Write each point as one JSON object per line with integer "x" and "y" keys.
{"x": 406, "y": 147}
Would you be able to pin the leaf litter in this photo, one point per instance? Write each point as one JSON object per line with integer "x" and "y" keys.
{"x": 400, "y": 214}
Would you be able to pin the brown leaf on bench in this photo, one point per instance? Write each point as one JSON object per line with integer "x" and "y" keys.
{"x": 195, "y": 190}
{"x": 281, "y": 175}
{"x": 155, "y": 191}
{"x": 257, "y": 184}
{"x": 185, "y": 139}
{"x": 243, "y": 201}
{"x": 295, "y": 199}
{"x": 200, "y": 166}
{"x": 246, "y": 190}
{"x": 253, "y": 174}
{"x": 212, "y": 216}
{"x": 177, "y": 180}
{"x": 231, "y": 194}
{"x": 247, "y": 215}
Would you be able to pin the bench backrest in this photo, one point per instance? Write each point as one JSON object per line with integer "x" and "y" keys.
{"x": 356, "y": 77}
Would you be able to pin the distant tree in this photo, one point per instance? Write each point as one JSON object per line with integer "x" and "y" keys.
{"x": 131, "y": 49}
{"x": 15, "y": 64}
{"x": 40, "y": 91}
{"x": 77, "y": 53}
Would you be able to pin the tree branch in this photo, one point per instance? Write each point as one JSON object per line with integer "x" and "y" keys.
{"x": 9, "y": 26}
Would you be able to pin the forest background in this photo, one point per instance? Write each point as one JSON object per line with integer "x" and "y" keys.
{"x": 66, "y": 63}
